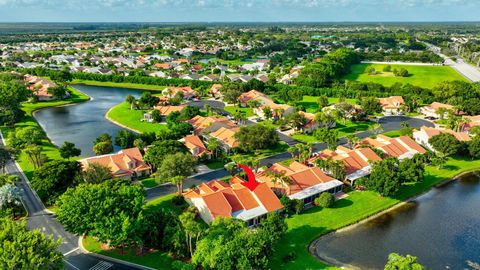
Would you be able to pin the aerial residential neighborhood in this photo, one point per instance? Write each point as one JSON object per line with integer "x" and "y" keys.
{"x": 251, "y": 135}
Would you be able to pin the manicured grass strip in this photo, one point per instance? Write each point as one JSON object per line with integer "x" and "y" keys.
{"x": 122, "y": 85}
{"x": 155, "y": 259}
{"x": 343, "y": 130}
{"x": 215, "y": 164}
{"x": 310, "y": 102}
{"x": 306, "y": 227}
{"x": 423, "y": 76}
{"x": 232, "y": 109}
{"x": 131, "y": 119}
{"x": 149, "y": 182}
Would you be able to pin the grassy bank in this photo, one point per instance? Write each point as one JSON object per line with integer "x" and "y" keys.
{"x": 423, "y": 76}
{"x": 122, "y": 85}
{"x": 48, "y": 148}
{"x": 306, "y": 227}
{"x": 121, "y": 114}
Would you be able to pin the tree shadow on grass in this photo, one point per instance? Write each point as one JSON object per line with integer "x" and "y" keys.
{"x": 450, "y": 167}
{"x": 342, "y": 203}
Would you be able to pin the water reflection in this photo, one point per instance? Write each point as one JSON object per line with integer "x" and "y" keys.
{"x": 82, "y": 123}
{"x": 440, "y": 227}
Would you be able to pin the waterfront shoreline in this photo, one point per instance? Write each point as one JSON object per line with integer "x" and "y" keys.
{"x": 335, "y": 263}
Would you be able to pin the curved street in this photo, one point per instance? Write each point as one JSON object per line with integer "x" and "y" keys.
{"x": 40, "y": 218}
{"x": 389, "y": 123}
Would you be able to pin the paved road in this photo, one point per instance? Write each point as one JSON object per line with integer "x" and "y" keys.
{"x": 389, "y": 123}
{"x": 468, "y": 71}
{"x": 40, "y": 219}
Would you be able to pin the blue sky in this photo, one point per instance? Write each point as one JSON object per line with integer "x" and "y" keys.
{"x": 237, "y": 10}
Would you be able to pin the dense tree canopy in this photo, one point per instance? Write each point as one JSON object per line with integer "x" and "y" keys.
{"x": 445, "y": 143}
{"x": 225, "y": 236}
{"x": 25, "y": 249}
{"x": 256, "y": 137}
{"x": 53, "y": 178}
{"x": 157, "y": 152}
{"x": 109, "y": 211}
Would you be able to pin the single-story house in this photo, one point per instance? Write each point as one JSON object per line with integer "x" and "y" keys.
{"x": 127, "y": 164}
{"x": 187, "y": 92}
{"x": 423, "y": 135}
{"x": 432, "y": 109}
{"x": 254, "y": 95}
{"x": 357, "y": 161}
{"x": 472, "y": 122}
{"x": 39, "y": 87}
{"x": 226, "y": 136}
{"x": 196, "y": 146}
{"x": 215, "y": 91}
{"x": 305, "y": 183}
{"x": 218, "y": 199}
{"x": 401, "y": 147}
{"x": 205, "y": 125}
{"x": 392, "y": 105}
{"x": 278, "y": 110}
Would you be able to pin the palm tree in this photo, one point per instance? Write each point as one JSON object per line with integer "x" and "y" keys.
{"x": 213, "y": 144}
{"x": 292, "y": 150}
{"x": 207, "y": 108}
{"x": 130, "y": 100}
{"x": 352, "y": 140}
{"x": 178, "y": 181}
{"x": 376, "y": 128}
{"x": 279, "y": 178}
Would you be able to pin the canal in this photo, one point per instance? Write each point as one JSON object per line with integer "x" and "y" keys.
{"x": 441, "y": 228}
{"x": 82, "y": 123}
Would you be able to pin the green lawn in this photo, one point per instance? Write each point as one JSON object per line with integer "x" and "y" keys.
{"x": 306, "y": 227}
{"x": 131, "y": 119}
{"x": 48, "y": 148}
{"x": 311, "y": 105}
{"x": 149, "y": 182}
{"x": 393, "y": 133}
{"x": 343, "y": 130}
{"x": 232, "y": 109}
{"x": 259, "y": 154}
{"x": 214, "y": 164}
{"x": 423, "y": 76}
{"x": 122, "y": 85}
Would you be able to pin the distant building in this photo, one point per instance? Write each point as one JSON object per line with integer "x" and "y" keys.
{"x": 39, "y": 87}
{"x": 205, "y": 125}
{"x": 254, "y": 95}
{"x": 187, "y": 92}
{"x": 432, "y": 110}
{"x": 392, "y": 105}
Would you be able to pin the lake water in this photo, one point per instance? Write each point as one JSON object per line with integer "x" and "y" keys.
{"x": 82, "y": 123}
{"x": 441, "y": 228}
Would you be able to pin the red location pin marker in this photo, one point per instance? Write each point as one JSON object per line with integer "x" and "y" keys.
{"x": 252, "y": 183}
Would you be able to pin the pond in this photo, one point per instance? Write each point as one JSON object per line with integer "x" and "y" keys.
{"x": 82, "y": 123}
{"x": 441, "y": 228}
